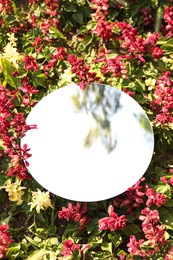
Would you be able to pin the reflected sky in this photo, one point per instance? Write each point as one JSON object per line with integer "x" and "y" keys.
{"x": 90, "y": 145}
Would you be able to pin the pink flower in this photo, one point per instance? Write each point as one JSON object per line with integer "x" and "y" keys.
{"x": 75, "y": 212}
{"x": 5, "y": 240}
{"x": 134, "y": 246}
{"x": 169, "y": 254}
{"x": 104, "y": 29}
{"x": 69, "y": 247}
{"x": 163, "y": 103}
{"x": 168, "y": 17}
{"x": 154, "y": 198}
{"x": 157, "y": 52}
{"x": 113, "y": 222}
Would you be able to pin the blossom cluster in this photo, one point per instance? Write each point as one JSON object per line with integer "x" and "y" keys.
{"x": 168, "y": 17}
{"x": 113, "y": 222}
{"x": 13, "y": 127}
{"x": 14, "y": 190}
{"x": 154, "y": 233}
{"x": 163, "y": 102}
{"x": 40, "y": 200}
{"x": 75, "y": 212}
{"x": 5, "y": 240}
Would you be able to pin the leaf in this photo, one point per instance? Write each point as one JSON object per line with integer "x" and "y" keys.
{"x": 167, "y": 220}
{"x": 78, "y": 17}
{"x": 91, "y": 225}
{"x": 116, "y": 239}
{"x": 8, "y": 70}
{"x": 31, "y": 241}
{"x": 131, "y": 230}
{"x": 164, "y": 189}
{"x": 107, "y": 247}
{"x": 38, "y": 79}
{"x": 14, "y": 250}
{"x": 88, "y": 39}
{"x": 169, "y": 203}
{"x": 55, "y": 33}
{"x": 167, "y": 46}
{"x": 38, "y": 254}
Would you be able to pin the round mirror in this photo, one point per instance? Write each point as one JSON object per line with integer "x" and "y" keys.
{"x": 89, "y": 145}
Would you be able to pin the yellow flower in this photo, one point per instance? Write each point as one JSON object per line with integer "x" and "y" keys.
{"x": 10, "y": 51}
{"x": 150, "y": 83}
{"x": 15, "y": 191}
{"x": 66, "y": 77}
{"x": 40, "y": 200}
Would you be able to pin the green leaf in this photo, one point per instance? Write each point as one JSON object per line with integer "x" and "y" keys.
{"x": 31, "y": 241}
{"x": 88, "y": 39}
{"x": 38, "y": 79}
{"x": 14, "y": 250}
{"x": 167, "y": 220}
{"x": 78, "y": 17}
{"x": 164, "y": 189}
{"x": 70, "y": 7}
{"x": 131, "y": 230}
{"x": 8, "y": 70}
{"x": 91, "y": 225}
{"x": 55, "y": 33}
{"x": 116, "y": 239}
{"x": 38, "y": 254}
{"x": 169, "y": 203}
{"x": 107, "y": 247}
{"x": 140, "y": 98}
{"x": 168, "y": 47}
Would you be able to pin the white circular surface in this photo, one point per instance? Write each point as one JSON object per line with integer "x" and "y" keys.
{"x": 89, "y": 145}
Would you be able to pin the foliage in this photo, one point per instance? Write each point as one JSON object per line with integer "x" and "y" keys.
{"x": 44, "y": 45}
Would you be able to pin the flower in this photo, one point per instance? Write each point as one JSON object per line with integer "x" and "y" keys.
{"x": 40, "y": 200}
{"x": 169, "y": 254}
{"x": 30, "y": 63}
{"x": 134, "y": 246}
{"x": 15, "y": 191}
{"x": 69, "y": 247}
{"x": 154, "y": 198}
{"x": 163, "y": 102}
{"x": 168, "y": 17}
{"x": 10, "y": 51}
{"x": 5, "y": 240}
{"x": 113, "y": 222}
{"x": 76, "y": 213}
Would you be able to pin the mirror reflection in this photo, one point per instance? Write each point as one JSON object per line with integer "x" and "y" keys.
{"x": 90, "y": 144}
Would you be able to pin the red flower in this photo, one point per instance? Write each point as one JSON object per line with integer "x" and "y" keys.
{"x": 30, "y": 63}
{"x": 76, "y": 213}
{"x": 37, "y": 41}
{"x": 168, "y": 17}
{"x": 113, "y": 222}
{"x": 163, "y": 103}
{"x": 69, "y": 247}
{"x": 5, "y": 240}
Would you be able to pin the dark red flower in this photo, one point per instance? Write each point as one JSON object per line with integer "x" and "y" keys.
{"x": 30, "y": 63}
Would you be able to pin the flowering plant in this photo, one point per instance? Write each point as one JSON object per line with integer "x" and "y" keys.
{"x": 45, "y": 45}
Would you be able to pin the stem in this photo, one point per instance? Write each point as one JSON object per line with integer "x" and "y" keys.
{"x": 159, "y": 15}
